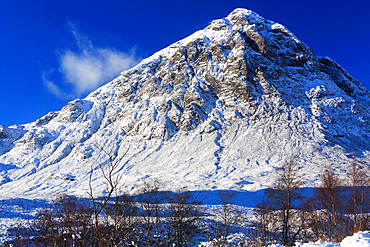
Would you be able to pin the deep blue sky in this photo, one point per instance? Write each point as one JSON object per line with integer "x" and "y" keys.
{"x": 54, "y": 51}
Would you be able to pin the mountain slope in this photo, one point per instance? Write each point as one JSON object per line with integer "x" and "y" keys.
{"x": 220, "y": 109}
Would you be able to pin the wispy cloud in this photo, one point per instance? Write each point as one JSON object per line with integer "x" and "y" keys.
{"x": 53, "y": 88}
{"x": 89, "y": 66}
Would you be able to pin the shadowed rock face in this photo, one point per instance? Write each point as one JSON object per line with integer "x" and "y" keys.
{"x": 223, "y": 106}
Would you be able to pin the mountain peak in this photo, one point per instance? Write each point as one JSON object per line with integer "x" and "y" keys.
{"x": 220, "y": 109}
{"x": 244, "y": 12}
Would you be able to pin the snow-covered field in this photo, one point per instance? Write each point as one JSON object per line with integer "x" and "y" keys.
{"x": 360, "y": 239}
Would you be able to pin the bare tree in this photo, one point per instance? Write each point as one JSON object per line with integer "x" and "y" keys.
{"x": 74, "y": 216}
{"x": 46, "y": 229}
{"x": 112, "y": 182}
{"x": 264, "y": 224}
{"x": 284, "y": 196}
{"x": 67, "y": 222}
{"x": 358, "y": 205}
{"x": 313, "y": 218}
{"x": 19, "y": 236}
{"x": 184, "y": 218}
{"x": 330, "y": 197}
{"x": 122, "y": 220}
{"x": 150, "y": 199}
{"x": 228, "y": 216}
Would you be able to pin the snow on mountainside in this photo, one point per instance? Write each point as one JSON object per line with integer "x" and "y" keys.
{"x": 220, "y": 109}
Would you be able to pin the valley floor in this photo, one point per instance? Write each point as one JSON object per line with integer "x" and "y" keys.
{"x": 14, "y": 212}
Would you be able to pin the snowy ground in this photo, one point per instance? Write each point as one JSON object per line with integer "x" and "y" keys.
{"x": 18, "y": 211}
{"x": 360, "y": 239}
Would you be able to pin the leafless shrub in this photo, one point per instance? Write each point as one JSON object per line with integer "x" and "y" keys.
{"x": 121, "y": 221}
{"x": 283, "y": 196}
{"x": 330, "y": 196}
{"x": 19, "y": 236}
{"x": 74, "y": 216}
{"x": 228, "y": 217}
{"x": 314, "y": 220}
{"x": 264, "y": 223}
{"x": 358, "y": 205}
{"x": 47, "y": 229}
{"x": 112, "y": 181}
{"x": 184, "y": 219}
{"x": 150, "y": 199}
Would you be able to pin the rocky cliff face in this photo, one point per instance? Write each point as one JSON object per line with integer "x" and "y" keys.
{"x": 220, "y": 109}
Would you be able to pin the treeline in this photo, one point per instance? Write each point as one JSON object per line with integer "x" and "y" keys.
{"x": 337, "y": 208}
{"x": 143, "y": 220}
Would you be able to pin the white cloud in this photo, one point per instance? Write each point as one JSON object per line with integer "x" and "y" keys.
{"x": 89, "y": 67}
{"x": 54, "y": 89}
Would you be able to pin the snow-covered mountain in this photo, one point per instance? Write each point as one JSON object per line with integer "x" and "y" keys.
{"x": 220, "y": 109}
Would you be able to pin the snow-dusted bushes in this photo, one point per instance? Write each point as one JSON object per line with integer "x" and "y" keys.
{"x": 70, "y": 221}
{"x": 344, "y": 203}
{"x": 338, "y": 208}
{"x": 281, "y": 216}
